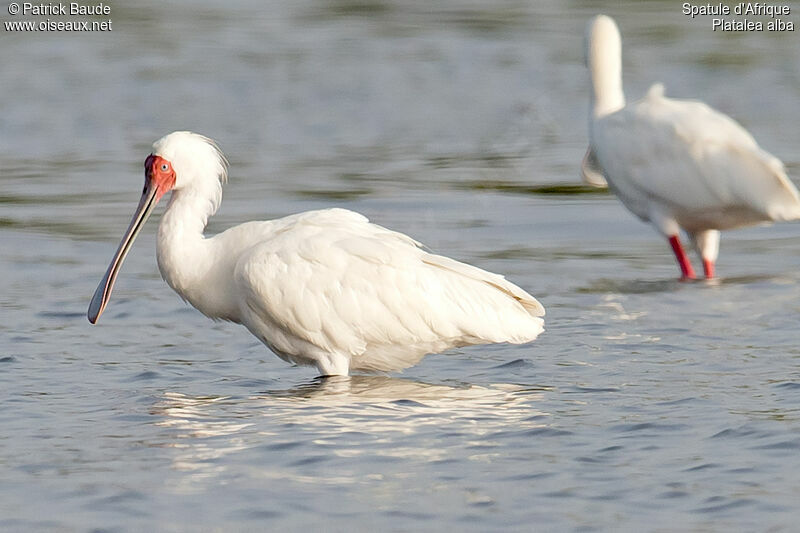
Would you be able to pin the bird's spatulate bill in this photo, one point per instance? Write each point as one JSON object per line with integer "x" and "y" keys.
{"x": 103, "y": 292}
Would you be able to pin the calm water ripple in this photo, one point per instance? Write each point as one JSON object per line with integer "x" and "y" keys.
{"x": 647, "y": 405}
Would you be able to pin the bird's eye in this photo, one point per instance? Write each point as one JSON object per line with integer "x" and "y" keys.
{"x": 164, "y": 167}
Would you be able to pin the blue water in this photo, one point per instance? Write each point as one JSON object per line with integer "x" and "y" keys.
{"x": 648, "y": 404}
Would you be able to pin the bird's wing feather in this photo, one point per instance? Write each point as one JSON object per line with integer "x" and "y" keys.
{"x": 591, "y": 172}
{"x": 495, "y": 280}
{"x": 331, "y": 282}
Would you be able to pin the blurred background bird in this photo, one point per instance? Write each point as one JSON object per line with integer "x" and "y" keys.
{"x": 677, "y": 164}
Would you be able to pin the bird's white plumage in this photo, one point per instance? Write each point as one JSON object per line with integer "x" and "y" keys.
{"x": 677, "y": 163}
{"x": 591, "y": 171}
{"x": 332, "y": 286}
{"x": 327, "y": 288}
{"x": 697, "y": 165}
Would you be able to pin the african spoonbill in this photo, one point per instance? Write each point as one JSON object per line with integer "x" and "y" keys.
{"x": 323, "y": 288}
{"x": 677, "y": 164}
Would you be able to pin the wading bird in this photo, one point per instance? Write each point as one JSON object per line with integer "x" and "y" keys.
{"x": 677, "y": 163}
{"x": 323, "y": 288}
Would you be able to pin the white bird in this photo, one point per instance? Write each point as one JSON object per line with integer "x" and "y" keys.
{"x": 677, "y": 163}
{"x": 323, "y": 288}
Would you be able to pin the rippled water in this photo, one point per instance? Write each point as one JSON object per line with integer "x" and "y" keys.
{"x": 648, "y": 404}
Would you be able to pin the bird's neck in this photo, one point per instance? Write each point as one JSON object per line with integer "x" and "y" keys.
{"x": 605, "y": 66}
{"x": 189, "y": 262}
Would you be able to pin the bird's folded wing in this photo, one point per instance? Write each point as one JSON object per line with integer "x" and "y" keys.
{"x": 341, "y": 284}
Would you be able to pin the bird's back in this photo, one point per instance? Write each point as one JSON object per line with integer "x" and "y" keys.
{"x": 331, "y": 282}
{"x": 694, "y": 163}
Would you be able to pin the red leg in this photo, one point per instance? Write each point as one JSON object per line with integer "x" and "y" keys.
{"x": 687, "y": 272}
{"x": 708, "y": 267}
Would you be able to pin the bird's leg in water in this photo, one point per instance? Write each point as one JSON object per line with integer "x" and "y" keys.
{"x": 333, "y": 364}
{"x": 708, "y": 267}
{"x": 687, "y": 272}
{"x": 707, "y": 244}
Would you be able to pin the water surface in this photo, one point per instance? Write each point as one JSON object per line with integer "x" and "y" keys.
{"x": 648, "y": 404}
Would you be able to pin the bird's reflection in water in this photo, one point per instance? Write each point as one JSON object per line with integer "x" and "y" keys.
{"x": 340, "y": 417}
{"x": 384, "y": 389}
{"x": 380, "y": 404}
{"x": 199, "y": 434}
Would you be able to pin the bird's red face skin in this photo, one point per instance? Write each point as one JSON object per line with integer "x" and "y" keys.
{"x": 159, "y": 174}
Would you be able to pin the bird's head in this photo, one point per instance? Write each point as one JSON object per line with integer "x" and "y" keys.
{"x": 180, "y": 161}
{"x": 183, "y": 160}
